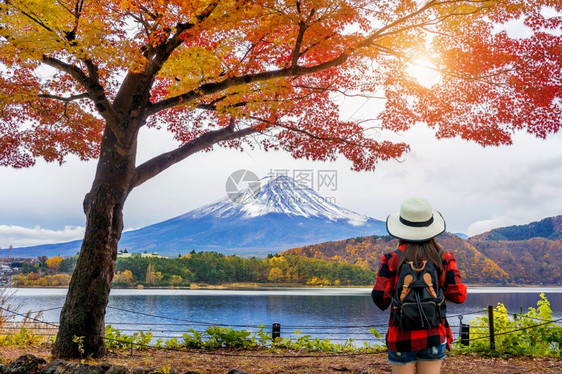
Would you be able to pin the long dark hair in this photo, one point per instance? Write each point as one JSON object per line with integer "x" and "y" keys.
{"x": 419, "y": 251}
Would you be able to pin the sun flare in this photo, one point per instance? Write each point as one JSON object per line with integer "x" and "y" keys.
{"x": 423, "y": 71}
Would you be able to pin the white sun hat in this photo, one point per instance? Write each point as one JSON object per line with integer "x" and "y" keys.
{"x": 416, "y": 222}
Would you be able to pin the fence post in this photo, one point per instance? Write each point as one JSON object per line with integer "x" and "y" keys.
{"x": 275, "y": 331}
{"x": 464, "y": 332}
{"x": 491, "y": 327}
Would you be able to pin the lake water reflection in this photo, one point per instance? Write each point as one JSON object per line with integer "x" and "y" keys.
{"x": 335, "y": 313}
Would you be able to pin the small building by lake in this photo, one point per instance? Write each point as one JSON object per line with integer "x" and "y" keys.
{"x": 121, "y": 254}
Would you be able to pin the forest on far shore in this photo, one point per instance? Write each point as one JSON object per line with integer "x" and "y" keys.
{"x": 201, "y": 268}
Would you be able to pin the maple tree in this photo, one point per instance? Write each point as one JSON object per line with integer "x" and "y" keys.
{"x": 84, "y": 77}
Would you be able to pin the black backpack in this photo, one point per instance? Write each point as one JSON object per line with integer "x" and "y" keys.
{"x": 418, "y": 302}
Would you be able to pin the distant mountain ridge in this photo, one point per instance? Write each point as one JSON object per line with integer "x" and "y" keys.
{"x": 281, "y": 215}
{"x": 367, "y": 252}
{"x": 484, "y": 258}
{"x": 529, "y": 253}
{"x": 548, "y": 228}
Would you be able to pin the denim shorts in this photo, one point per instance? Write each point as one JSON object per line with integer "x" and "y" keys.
{"x": 429, "y": 354}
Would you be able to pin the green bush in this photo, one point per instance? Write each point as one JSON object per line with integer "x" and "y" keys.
{"x": 530, "y": 334}
{"x": 24, "y": 337}
{"x": 114, "y": 338}
{"x": 216, "y": 337}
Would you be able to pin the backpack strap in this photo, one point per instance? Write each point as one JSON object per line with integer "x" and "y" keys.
{"x": 441, "y": 277}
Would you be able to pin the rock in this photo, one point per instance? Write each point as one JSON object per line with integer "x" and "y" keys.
{"x": 63, "y": 367}
{"x": 2, "y": 368}
{"x": 116, "y": 370}
{"x": 55, "y": 367}
{"x": 158, "y": 371}
{"x": 25, "y": 364}
{"x": 105, "y": 366}
{"x": 237, "y": 371}
{"x": 142, "y": 371}
{"x": 83, "y": 369}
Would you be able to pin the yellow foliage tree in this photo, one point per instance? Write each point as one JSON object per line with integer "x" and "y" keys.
{"x": 124, "y": 277}
{"x": 275, "y": 275}
{"x": 176, "y": 280}
{"x": 53, "y": 263}
{"x": 152, "y": 277}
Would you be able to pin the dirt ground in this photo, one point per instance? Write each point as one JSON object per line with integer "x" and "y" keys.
{"x": 293, "y": 362}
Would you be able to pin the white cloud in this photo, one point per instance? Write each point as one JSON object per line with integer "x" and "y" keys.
{"x": 19, "y": 236}
{"x": 479, "y": 227}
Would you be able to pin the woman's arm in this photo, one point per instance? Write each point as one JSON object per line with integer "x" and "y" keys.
{"x": 384, "y": 286}
{"x": 454, "y": 289}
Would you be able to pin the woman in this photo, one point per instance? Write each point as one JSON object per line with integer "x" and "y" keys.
{"x": 421, "y": 350}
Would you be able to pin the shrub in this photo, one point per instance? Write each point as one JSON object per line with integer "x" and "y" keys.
{"x": 532, "y": 333}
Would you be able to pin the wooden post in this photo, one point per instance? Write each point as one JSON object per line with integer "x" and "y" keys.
{"x": 491, "y": 327}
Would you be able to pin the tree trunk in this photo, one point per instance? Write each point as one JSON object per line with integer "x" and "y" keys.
{"x": 82, "y": 319}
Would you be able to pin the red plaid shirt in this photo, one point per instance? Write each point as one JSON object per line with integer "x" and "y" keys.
{"x": 408, "y": 341}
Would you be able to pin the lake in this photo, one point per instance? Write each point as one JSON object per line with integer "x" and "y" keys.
{"x": 334, "y": 313}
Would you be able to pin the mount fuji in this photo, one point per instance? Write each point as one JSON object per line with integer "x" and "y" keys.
{"x": 269, "y": 216}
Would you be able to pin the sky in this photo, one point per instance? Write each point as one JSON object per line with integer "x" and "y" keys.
{"x": 475, "y": 188}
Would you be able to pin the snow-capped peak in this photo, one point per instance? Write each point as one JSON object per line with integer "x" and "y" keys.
{"x": 279, "y": 195}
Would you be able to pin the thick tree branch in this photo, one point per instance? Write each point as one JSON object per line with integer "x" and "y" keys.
{"x": 298, "y": 43}
{"x": 211, "y": 88}
{"x": 135, "y": 89}
{"x": 93, "y": 88}
{"x": 294, "y": 69}
{"x": 163, "y": 52}
{"x": 303, "y": 26}
{"x": 160, "y": 163}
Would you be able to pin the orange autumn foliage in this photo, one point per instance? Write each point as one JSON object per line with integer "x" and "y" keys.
{"x": 274, "y": 66}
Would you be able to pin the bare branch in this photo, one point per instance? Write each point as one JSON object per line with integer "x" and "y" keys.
{"x": 334, "y": 139}
{"x": 67, "y": 99}
{"x": 37, "y": 21}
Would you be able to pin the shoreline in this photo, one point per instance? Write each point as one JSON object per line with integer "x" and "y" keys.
{"x": 270, "y": 287}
